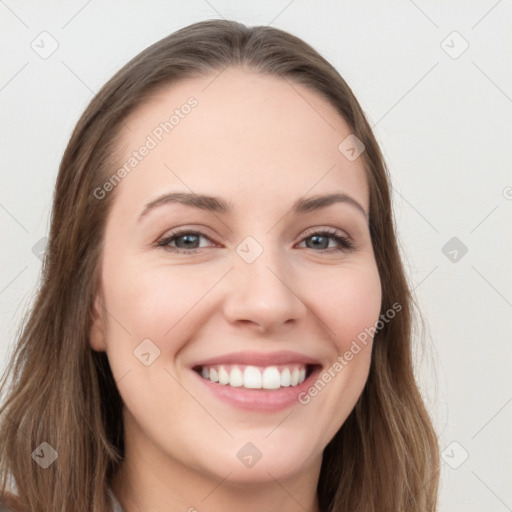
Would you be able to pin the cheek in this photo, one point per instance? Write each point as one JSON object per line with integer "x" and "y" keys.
{"x": 155, "y": 303}
{"x": 348, "y": 301}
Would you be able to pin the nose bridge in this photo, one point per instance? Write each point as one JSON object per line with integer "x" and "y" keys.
{"x": 260, "y": 290}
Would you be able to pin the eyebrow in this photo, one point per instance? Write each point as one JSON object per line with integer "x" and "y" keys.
{"x": 219, "y": 205}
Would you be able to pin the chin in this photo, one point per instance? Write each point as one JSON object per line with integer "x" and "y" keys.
{"x": 263, "y": 461}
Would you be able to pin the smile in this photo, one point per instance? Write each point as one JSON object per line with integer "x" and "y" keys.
{"x": 255, "y": 377}
{"x": 257, "y": 381}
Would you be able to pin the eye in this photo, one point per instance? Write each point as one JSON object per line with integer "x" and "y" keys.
{"x": 186, "y": 241}
{"x": 321, "y": 239}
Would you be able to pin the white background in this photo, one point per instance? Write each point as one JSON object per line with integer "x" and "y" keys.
{"x": 444, "y": 125}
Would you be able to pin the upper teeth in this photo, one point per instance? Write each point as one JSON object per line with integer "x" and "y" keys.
{"x": 254, "y": 377}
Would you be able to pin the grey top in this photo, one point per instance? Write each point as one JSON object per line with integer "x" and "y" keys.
{"x": 116, "y": 506}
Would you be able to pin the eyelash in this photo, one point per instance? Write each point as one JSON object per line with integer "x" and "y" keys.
{"x": 344, "y": 243}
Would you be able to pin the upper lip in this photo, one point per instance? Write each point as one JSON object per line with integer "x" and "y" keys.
{"x": 259, "y": 359}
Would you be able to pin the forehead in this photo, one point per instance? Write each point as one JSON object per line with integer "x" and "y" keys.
{"x": 238, "y": 133}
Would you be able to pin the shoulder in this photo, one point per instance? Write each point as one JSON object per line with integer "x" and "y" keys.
{"x": 7, "y": 503}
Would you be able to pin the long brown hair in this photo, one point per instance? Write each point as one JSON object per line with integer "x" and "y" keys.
{"x": 59, "y": 391}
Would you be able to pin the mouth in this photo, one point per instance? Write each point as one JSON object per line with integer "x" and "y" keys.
{"x": 258, "y": 382}
{"x": 251, "y": 377}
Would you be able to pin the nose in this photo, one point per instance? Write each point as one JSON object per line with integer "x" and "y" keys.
{"x": 263, "y": 294}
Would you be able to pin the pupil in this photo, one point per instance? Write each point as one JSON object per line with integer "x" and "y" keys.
{"x": 187, "y": 239}
{"x": 315, "y": 238}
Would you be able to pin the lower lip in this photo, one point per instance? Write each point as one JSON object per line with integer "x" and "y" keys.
{"x": 259, "y": 399}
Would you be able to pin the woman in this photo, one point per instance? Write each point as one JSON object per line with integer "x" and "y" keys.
{"x": 223, "y": 320}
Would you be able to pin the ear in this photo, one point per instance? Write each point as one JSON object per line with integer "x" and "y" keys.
{"x": 97, "y": 336}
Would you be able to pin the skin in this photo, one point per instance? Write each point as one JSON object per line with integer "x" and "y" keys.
{"x": 259, "y": 143}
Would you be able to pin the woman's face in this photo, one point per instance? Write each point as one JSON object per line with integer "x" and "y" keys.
{"x": 215, "y": 309}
